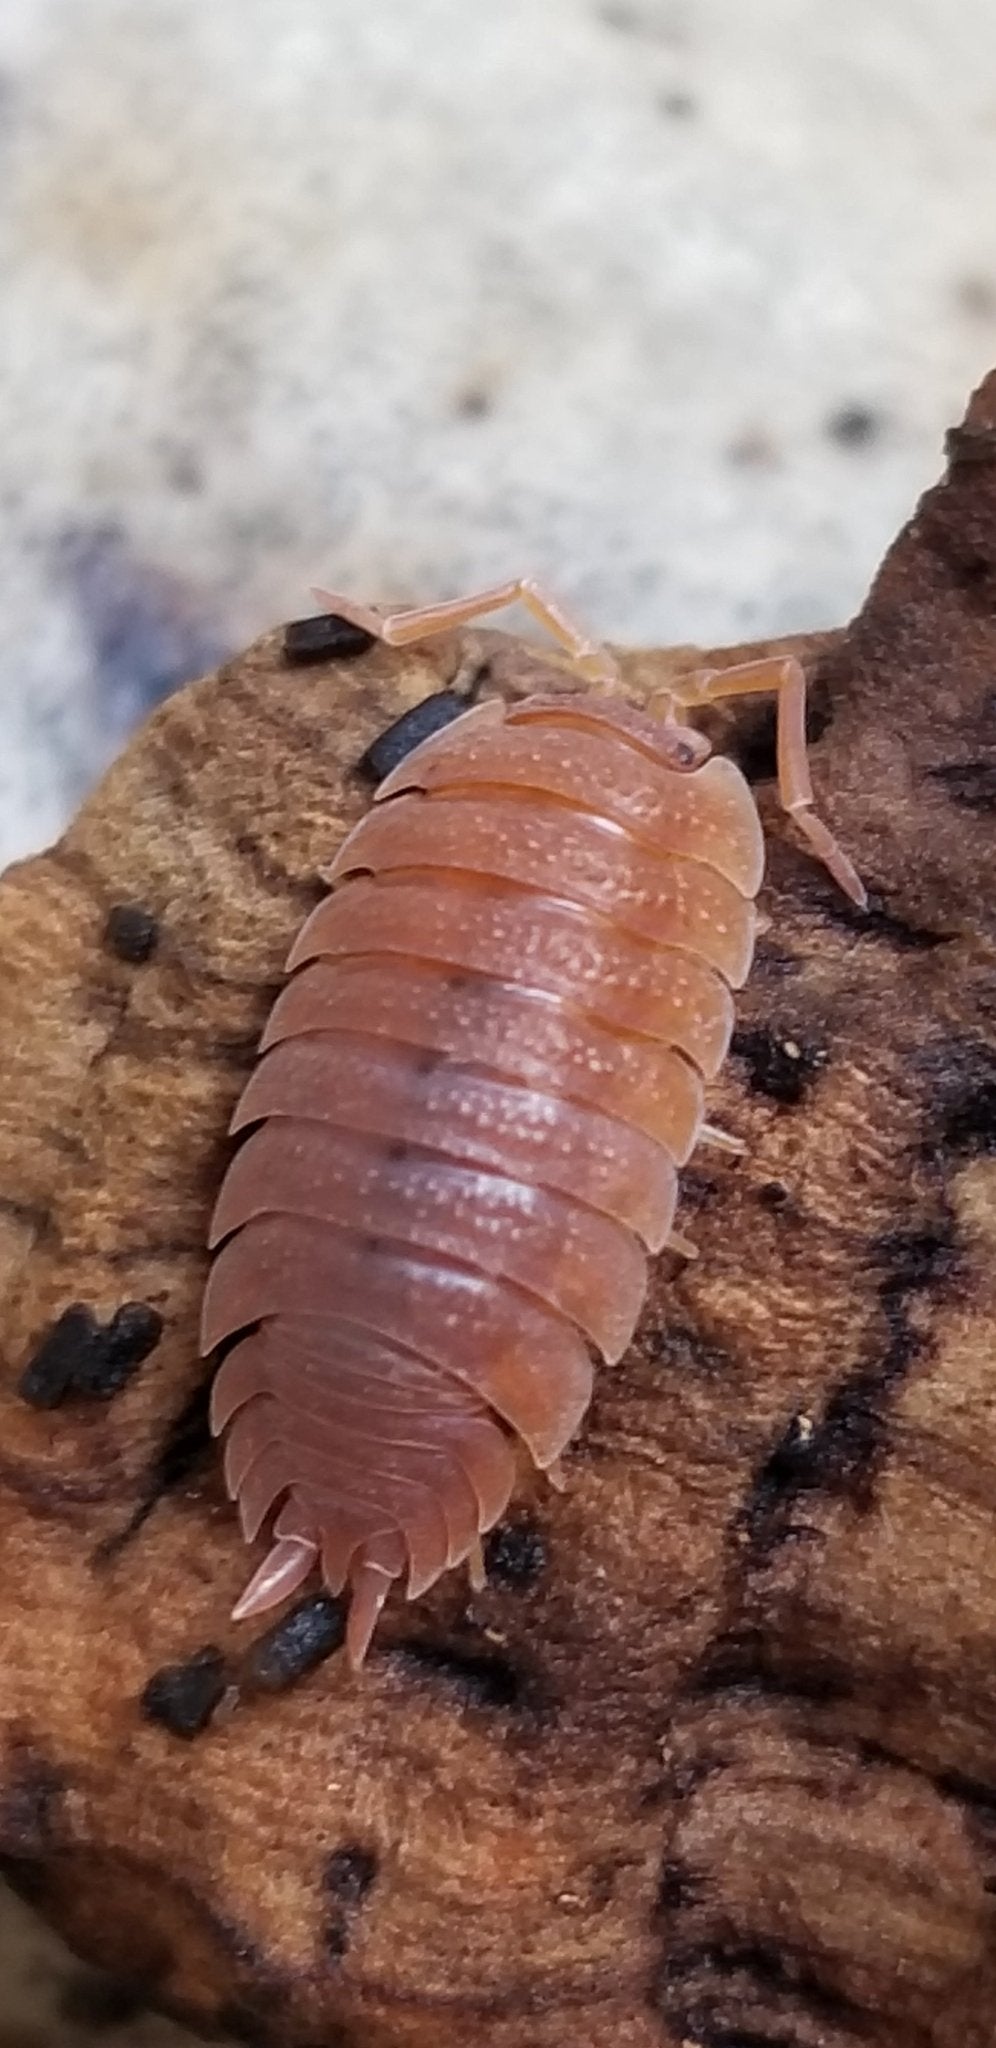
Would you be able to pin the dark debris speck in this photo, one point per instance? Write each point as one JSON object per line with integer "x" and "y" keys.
{"x": 183, "y": 1697}
{"x": 131, "y": 932}
{"x": 51, "y": 1370}
{"x": 79, "y": 1355}
{"x": 349, "y": 1873}
{"x": 515, "y": 1554}
{"x": 117, "y": 1352}
{"x": 301, "y": 1640}
{"x": 393, "y": 746}
{"x": 326, "y": 637}
{"x": 779, "y": 1065}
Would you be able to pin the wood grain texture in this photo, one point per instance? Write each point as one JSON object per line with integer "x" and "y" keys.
{"x": 712, "y": 1760}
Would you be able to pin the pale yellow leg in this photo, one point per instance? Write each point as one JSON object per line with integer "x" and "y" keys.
{"x": 722, "y": 1141}
{"x": 400, "y": 629}
{"x": 785, "y": 678}
{"x": 682, "y": 1245}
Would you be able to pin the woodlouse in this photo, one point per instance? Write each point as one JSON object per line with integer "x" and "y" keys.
{"x": 472, "y": 1101}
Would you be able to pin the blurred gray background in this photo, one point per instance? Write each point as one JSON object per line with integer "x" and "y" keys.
{"x": 667, "y": 301}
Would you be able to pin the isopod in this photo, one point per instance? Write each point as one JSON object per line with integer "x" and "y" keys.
{"x": 462, "y": 1138}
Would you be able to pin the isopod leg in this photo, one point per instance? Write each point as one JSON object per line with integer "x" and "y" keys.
{"x": 400, "y": 629}
{"x": 475, "y": 1567}
{"x": 722, "y": 1141}
{"x": 682, "y": 1246}
{"x": 786, "y": 679}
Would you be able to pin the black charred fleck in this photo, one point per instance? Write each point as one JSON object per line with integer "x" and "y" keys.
{"x": 515, "y": 1554}
{"x": 131, "y": 932}
{"x": 117, "y": 1352}
{"x": 773, "y": 1195}
{"x": 326, "y": 637}
{"x": 301, "y": 1640}
{"x": 183, "y": 1697}
{"x": 51, "y": 1371}
{"x": 393, "y": 746}
{"x": 778, "y": 1065}
{"x": 81, "y": 1356}
{"x": 349, "y": 1874}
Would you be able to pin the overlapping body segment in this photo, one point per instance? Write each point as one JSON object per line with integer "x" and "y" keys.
{"x": 464, "y": 1132}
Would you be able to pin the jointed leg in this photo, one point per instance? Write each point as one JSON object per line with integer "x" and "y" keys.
{"x": 400, "y": 629}
{"x": 784, "y": 677}
{"x": 684, "y": 1247}
{"x": 722, "y": 1141}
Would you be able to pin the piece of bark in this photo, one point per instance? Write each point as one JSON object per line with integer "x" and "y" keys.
{"x": 712, "y": 1759}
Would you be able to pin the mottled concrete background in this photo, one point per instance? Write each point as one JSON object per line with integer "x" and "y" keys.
{"x": 667, "y": 300}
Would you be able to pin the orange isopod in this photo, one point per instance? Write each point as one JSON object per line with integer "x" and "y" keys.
{"x": 463, "y": 1135}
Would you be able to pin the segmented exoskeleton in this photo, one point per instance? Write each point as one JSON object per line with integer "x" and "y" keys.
{"x": 474, "y": 1096}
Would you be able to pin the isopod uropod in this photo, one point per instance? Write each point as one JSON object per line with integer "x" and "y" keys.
{"x": 463, "y": 1135}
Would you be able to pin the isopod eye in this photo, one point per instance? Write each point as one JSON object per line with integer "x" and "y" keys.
{"x": 688, "y": 749}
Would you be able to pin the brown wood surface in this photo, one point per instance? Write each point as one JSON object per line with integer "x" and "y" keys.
{"x": 713, "y": 1758}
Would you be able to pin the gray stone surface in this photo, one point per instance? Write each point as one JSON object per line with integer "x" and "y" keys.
{"x": 668, "y": 301}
